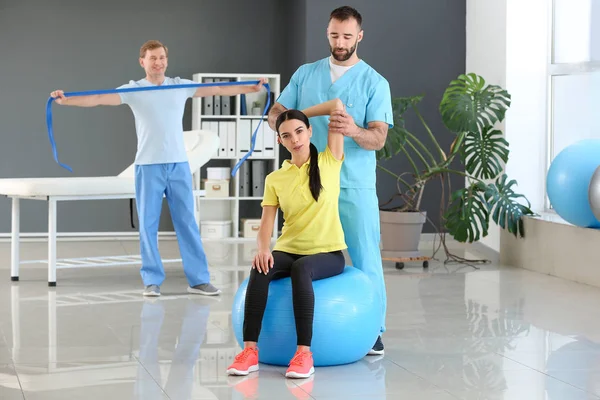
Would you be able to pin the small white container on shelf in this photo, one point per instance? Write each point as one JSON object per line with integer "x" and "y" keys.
{"x": 218, "y": 173}
{"x": 251, "y": 227}
{"x": 215, "y": 229}
{"x": 216, "y": 187}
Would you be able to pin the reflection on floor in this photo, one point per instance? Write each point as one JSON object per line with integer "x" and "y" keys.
{"x": 453, "y": 333}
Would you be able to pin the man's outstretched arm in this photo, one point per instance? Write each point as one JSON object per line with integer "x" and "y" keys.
{"x": 229, "y": 90}
{"x": 110, "y": 99}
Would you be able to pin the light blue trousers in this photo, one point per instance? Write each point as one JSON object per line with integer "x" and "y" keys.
{"x": 359, "y": 213}
{"x": 174, "y": 181}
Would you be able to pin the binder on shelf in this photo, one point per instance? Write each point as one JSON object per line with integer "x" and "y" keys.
{"x": 243, "y": 110}
{"x": 258, "y": 144}
{"x": 231, "y": 142}
{"x": 244, "y": 137}
{"x": 226, "y": 101}
{"x": 269, "y": 141}
{"x": 217, "y": 101}
{"x": 207, "y": 102}
{"x": 222, "y": 139}
{"x": 258, "y": 171}
{"x": 272, "y": 101}
{"x": 226, "y": 138}
{"x": 244, "y": 171}
{"x": 213, "y": 126}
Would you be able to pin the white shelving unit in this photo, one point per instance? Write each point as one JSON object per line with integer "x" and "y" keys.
{"x": 235, "y": 129}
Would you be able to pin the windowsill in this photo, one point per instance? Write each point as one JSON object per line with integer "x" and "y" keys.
{"x": 550, "y": 216}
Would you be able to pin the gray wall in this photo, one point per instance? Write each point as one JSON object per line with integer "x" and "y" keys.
{"x": 81, "y": 45}
{"x": 418, "y": 46}
{"x": 78, "y": 45}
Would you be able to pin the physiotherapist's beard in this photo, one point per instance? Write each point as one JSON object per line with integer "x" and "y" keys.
{"x": 345, "y": 56}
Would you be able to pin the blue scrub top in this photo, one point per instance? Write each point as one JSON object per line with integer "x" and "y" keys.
{"x": 367, "y": 97}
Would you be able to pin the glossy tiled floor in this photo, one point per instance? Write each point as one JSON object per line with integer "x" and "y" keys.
{"x": 453, "y": 333}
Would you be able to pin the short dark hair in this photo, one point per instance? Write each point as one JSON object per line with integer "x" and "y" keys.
{"x": 346, "y": 12}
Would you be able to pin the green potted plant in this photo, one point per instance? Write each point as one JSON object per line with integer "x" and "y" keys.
{"x": 469, "y": 110}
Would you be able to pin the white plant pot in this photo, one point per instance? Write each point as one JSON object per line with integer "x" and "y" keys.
{"x": 401, "y": 233}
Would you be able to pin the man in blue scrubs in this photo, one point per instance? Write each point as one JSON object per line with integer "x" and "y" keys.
{"x": 161, "y": 164}
{"x": 364, "y": 123}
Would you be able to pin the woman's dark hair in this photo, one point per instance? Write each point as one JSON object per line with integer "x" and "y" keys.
{"x": 314, "y": 176}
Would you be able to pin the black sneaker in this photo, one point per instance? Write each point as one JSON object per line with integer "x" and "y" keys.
{"x": 377, "y": 348}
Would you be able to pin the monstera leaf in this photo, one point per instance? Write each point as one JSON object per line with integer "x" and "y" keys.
{"x": 485, "y": 153}
{"x": 396, "y": 137}
{"x": 468, "y": 105}
{"x": 467, "y": 216}
{"x": 504, "y": 207}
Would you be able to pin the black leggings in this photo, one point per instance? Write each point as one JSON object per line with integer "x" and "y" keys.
{"x": 303, "y": 270}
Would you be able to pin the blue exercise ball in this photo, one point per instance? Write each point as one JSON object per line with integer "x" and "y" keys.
{"x": 347, "y": 320}
{"x": 568, "y": 182}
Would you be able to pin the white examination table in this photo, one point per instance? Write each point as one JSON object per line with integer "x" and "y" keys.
{"x": 201, "y": 146}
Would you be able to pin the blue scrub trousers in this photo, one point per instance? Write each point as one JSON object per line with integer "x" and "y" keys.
{"x": 175, "y": 182}
{"x": 359, "y": 214}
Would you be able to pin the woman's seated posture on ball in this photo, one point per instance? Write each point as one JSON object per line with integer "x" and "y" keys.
{"x": 306, "y": 188}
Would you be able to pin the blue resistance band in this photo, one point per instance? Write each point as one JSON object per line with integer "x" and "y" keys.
{"x": 141, "y": 89}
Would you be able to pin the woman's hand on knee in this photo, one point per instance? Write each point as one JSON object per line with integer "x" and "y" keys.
{"x": 263, "y": 261}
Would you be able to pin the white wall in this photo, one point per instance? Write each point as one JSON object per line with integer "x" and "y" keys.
{"x": 527, "y": 57}
{"x": 486, "y": 56}
{"x": 507, "y": 44}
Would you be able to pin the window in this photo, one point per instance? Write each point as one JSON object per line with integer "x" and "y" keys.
{"x": 573, "y": 74}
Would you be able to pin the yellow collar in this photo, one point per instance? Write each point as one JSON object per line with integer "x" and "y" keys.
{"x": 287, "y": 164}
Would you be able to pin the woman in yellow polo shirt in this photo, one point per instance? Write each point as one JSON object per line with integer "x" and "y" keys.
{"x": 306, "y": 188}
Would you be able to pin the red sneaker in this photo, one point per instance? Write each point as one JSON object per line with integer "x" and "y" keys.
{"x": 301, "y": 365}
{"x": 244, "y": 363}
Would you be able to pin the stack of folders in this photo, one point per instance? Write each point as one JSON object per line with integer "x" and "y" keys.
{"x": 217, "y": 105}
{"x": 236, "y": 141}
{"x": 252, "y": 174}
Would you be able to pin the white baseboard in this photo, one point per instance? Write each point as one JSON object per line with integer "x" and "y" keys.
{"x": 81, "y": 236}
{"x": 106, "y": 236}
{"x": 426, "y": 238}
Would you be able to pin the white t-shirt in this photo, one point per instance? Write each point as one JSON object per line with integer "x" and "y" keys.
{"x": 337, "y": 70}
{"x": 159, "y": 120}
